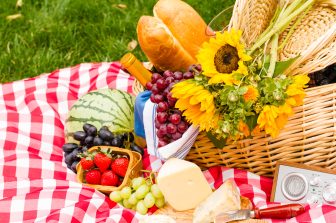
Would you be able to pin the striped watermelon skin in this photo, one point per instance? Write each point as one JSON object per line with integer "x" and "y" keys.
{"x": 110, "y": 107}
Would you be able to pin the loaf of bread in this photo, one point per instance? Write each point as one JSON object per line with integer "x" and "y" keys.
{"x": 225, "y": 198}
{"x": 172, "y": 38}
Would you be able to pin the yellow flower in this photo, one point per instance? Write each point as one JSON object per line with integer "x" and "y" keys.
{"x": 295, "y": 90}
{"x": 197, "y": 104}
{"x": 266, "y": 120}
{"x": 252, "y": 94}
{"x": 222, "y": 57}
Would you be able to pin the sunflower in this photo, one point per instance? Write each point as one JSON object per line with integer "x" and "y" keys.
{"x": 197, "y": 104}
{"x": 222, "y": 57}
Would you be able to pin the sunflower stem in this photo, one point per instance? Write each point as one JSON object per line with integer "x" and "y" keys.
{"x": 279, "y": 25}
{"x": 274, "y": 54}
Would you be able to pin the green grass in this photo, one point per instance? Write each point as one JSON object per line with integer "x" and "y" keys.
{"x": 59, "y": 33}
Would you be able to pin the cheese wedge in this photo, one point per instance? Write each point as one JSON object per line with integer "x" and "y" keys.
{"x": 182, "y": 184}
{"x": 225, "y": 198}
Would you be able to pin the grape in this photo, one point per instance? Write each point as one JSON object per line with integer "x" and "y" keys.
{"x": 105, "y": 135}
{"x": 152, "y": 98}
{"x": 88, "y": 140}
{"x": 73, "y": 166}
{"x": 149, "y": 86}
{"x": 182, "y": 127}
{"x": 115, "y": 196}
{"x": 155, "y": 77}
{"x": 128, "y": 136}
{"x": 126, "y": 204}
{"x": 159, "y": 202}
{"x": 169, "y": 80}
{"x": 149, "y": 200}
{"x": 162, "y": 130}
{"x": 141, "y": 191}
{"x": 157, "y": 123}
{"x": 175, "y": 119}
{"x": 86, "y": 127}
{"x": 155, "y": 90}
{"x": 137, "y": 182}
{"x": 162, "y": 143}
{"x": 106, "y": 143}
{"x": 68, "y": 147}
{"x": 79, "y": 135}
{"x": 178, "y": 75}
{"x": 92, "y": 131}
{"x": 141, "y": 208}
{"x": 168, "y": 74}
{"x": 158, "y": 98}
{"x": 104, "y": 127}
{"x": 155, "y": 190}
{"x": 171, "y": 101}
{"x": 132, "y": 199}
{"x": 97, "y": 141}
{"x": 176, "y": 135}
{"x": 162, "y": 106}
{"x": 171, "y": 128}
{"x": 126, "y": 192}
{"x": 116, "y": 142}
{"x": 199, "y": 67}
{"x": 188, "y": 75}
{"x": 136, "y": 148}
{"x": 162, "y": 117}
{"x": 161, "y": 84}
{"x": 69, "y": 159}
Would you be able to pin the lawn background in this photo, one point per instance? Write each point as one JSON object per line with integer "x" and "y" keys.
{"x": 53, "y": 34}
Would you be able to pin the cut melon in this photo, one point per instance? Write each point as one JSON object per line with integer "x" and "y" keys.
{"x": 104, "y": 107}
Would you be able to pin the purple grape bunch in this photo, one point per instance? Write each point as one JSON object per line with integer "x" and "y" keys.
{"x": 169, "y": 122}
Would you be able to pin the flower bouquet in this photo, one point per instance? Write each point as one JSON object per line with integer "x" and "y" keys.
{"x": 256, "y": 109}
{"x": 248, "y": 100}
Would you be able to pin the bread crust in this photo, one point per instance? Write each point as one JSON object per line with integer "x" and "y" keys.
{"x": 171, "y": 39}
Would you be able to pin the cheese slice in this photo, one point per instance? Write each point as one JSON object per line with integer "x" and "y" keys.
{"x": 225, "y": 198}
{"x": 182, "y": 184}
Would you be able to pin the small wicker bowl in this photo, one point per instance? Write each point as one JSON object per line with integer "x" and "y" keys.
{"x": 134, "y": 167}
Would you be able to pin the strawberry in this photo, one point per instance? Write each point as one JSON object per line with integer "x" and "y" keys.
{"x": 93, "y": 177}
{"x": 109, "y": 178}
{"x": 119, "y": 166}
{"x": 87, "y": 163}
{"x": 102, "y": 161}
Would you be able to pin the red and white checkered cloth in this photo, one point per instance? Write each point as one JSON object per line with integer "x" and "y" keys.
{"x": 36, "y": 186}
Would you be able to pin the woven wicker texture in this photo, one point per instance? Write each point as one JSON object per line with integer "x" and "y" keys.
{"x": 309, "y": 137}
{"x": 253, "y": 17}
{"x": 313, "y": 39}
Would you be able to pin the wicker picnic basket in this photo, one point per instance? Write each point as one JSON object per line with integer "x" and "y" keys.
{"x": 310, "y": 134}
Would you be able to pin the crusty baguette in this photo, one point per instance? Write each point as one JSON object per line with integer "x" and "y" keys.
{"x": 160, "y": 46}
{"x": 172, "y": 38}
{"x": 184, "y": 22}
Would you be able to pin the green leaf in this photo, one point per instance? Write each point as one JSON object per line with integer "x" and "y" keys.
{"x": 281, "y": 66}
{"x": 219, "y": 143}
{"x": 251, "y": 122}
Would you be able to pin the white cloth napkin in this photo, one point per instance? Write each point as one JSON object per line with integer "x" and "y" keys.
{"x": 178, "y": 149}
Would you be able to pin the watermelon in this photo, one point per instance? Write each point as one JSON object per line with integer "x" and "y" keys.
{"x": 104, "y": 107}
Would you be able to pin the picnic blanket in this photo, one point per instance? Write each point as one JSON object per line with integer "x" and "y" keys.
{"x": 35, "y": 184}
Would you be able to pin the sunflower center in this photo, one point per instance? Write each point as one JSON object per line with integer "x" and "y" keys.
{"x": 226, "y": 59}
